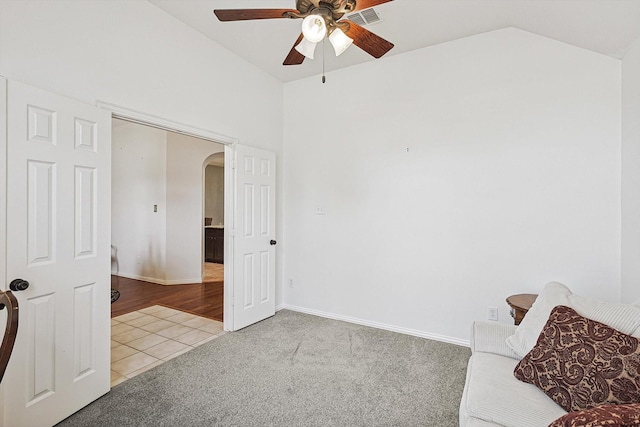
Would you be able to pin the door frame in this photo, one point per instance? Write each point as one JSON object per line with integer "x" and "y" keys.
{"x": 230, "y": 143}
{"x": 3, "y": 200}
{"x": 3, "y": 184}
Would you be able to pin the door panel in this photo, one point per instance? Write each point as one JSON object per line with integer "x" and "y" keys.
{"x": 58, "y": 235}
{"x": 41, "y": 351}
{"x": 40, "y": 211}
{"x": 254, "y": 266}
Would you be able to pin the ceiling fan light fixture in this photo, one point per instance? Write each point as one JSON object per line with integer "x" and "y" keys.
{"x": 340, "y": 41}
{"x": 306, "y": 48}
{"x": 314, "y": 28}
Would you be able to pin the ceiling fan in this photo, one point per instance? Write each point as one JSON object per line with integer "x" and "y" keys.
{"x": 321, "y": 18}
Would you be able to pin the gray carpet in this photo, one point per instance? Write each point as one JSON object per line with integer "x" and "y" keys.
{"x": 294, "y": 370}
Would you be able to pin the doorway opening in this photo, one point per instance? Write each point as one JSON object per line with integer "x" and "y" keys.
{"x": 168, "y": 304}
{"x": 213, "y": 203}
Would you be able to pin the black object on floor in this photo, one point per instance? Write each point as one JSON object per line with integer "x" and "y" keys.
{"x": 114, "y": 295}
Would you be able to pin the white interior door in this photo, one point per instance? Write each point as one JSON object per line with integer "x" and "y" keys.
{"x": 254, "y": 251}
{"x": 58, "y": 234}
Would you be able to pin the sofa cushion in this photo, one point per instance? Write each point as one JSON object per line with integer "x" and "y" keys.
{"x": 493, "y": 395}
{"x": 602, "y": 416}
{"x": 489, "y": 337}
{"x": 581, "y": 363}
{"x": 623, "y": 317}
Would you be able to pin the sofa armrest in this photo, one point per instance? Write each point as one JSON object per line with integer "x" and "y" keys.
{"x": 490, "y": 337}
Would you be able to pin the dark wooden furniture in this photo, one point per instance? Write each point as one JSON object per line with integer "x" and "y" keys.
{"x": 520, "y": 304}
{"x": 8, "y": 301}
{"x": 214, "y": 245}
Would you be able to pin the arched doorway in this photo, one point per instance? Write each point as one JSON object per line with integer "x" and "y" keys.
{"x": 213, "y": 218}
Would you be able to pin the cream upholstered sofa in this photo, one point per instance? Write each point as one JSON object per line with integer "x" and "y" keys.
{"x": 492, "y": 396}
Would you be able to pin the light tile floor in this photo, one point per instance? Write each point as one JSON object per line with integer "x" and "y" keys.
{"x": 213, "y": 272}
{"x": 146, "y": 338}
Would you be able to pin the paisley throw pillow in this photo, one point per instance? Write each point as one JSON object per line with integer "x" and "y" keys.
{"x": 581, "y": 363}
{"x": 602, "y": 416}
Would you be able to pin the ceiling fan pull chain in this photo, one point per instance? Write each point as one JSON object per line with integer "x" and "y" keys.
{"x": 323, "y": 78}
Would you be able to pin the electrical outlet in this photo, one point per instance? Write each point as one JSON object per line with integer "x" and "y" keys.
{"x": 492, "y": 313}
{"x": 291, "y": 283}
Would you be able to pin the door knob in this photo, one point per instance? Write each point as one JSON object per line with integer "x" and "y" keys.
{"x": 272, "y": 242}
{"x": 18, "y": 285}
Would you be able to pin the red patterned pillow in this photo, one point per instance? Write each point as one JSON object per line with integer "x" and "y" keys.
{"x": 602, "y": 416}
{"x": 581, "y": 363}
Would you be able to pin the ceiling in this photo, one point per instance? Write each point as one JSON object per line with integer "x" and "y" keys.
{"x": 605, "y": 26}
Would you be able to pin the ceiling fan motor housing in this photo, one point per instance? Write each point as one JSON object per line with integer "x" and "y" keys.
{"x": 336, "y": 8}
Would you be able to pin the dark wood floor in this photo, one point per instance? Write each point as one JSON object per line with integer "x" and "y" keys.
{"x": 203, "y": 299}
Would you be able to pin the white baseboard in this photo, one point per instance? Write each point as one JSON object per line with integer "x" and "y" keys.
{"x": 183, "y": 281}
{"x": 377, "y": 325}
{"x": 156, "y": 280}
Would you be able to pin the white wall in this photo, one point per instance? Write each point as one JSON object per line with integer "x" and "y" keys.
{"x": 513, "y": 167}
{"x": 631, "y": 174}
{"x": 139, "y": 176}
{"x": 214, "y": 194}
{"x": 185, "y": 180}
{"x": 452, "y": 177}
{"x": 154, "y": 167}
{"x": 133, "y": 54}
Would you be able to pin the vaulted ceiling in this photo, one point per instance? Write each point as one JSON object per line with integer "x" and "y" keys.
{"x": 608, "y": 27}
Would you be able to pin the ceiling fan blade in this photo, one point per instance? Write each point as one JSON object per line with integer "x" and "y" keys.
{"x": 294, "y": 57}
{"x": 373, "y": 44}
{"x": 246, "y": 14}
{"x": 366, "y": 4}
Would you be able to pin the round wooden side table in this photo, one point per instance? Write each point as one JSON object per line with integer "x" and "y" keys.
{"x": 520, "y": 304}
